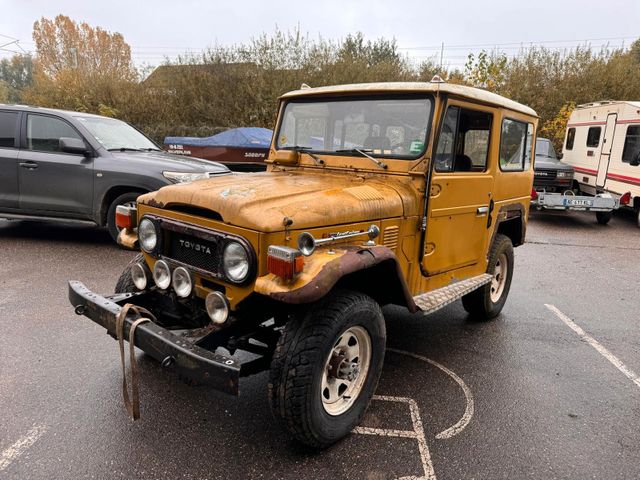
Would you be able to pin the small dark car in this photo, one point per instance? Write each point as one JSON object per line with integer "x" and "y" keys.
{"x": 551, "y": 175}
{"x": 56, "y": 164}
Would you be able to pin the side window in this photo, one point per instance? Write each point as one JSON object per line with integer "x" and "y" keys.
{"x": 571, "y": 136}
{"x": 513, "y": 145}
{"x": 593, "y": 136}
{"x": 631, "y": 149}
{"x": 8, "y": 122}
{"x": 463, "y": 144}
{"x": 44, "y": 133}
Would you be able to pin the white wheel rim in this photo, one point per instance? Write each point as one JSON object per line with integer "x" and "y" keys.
{"x": 345, "y": 370}
{"x": 499, "y": 277}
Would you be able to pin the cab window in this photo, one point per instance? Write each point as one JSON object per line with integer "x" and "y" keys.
{"x": 515, "y": 145}
{"x": 463, "y": 144}
{"x": 8, "y": 121}
{"x": 631, "y": 149}
{"x": 44, "y": 133}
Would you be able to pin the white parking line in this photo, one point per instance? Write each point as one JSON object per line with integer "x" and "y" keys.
{"x": 595, "y": 344}
{"x": 22, "y": 445}
{"x": 417, "y": 433}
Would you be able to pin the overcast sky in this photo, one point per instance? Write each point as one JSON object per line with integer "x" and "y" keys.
{"x": 162, "y": 27}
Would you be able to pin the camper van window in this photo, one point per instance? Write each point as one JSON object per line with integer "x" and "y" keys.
{"x": 631, "y": 144}
{"x": 593, "y": 136}
{"x": 571, "y": 136}
{"x": 515, "y": 145}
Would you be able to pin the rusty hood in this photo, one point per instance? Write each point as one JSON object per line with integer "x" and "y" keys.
{"x": 261, "y": 201}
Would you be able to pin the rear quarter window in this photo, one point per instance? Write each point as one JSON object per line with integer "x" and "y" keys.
{"x": 8, "y": 123}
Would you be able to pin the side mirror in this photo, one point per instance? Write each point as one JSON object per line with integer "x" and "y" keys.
{"x": 286, "y": 157}
{"x": 73, "y": 145}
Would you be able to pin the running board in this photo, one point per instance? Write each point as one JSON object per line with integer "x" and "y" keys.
{"x": 431, "y": 301}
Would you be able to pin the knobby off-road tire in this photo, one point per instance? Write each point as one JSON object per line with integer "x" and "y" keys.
{"x": 125, "y": 282}
{"x": 603, "y": 217}
{"x": 307, "y": 358}
{"x": 487, "y": 301}
{"x": 124, "y": 199}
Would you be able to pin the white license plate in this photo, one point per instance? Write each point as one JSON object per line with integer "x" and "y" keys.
{"x": 578, "y": 202}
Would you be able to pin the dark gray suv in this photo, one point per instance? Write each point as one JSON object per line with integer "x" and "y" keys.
{"x": 56, "y": 164}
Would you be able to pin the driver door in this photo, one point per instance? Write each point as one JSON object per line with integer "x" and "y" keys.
{"x": 461, "y": 190}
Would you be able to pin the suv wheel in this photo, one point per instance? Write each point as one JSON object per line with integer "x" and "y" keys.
{"x": 128, "y": 199}
{"x": 326, "y": 367}
{"x": 487, "y": 301}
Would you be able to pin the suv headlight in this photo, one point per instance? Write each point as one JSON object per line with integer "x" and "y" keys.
{"x": 182, "y": 177}
{"x": 147, "y": 235}
{"x": 565, "y": 174}
{"x": 235, "y": 261}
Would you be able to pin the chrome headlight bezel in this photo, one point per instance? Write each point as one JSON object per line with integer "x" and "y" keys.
{"x": 247, "y": 267}
{"x": 153, "y": 247}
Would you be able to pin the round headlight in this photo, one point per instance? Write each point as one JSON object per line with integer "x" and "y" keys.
{"x": 162, "y": 274}
{"x": 182, "y": 282}
{"x": 217, "y": 307}
{"x": 147, "y": 235}
{"x": 139, "y": 275}
{"x": 306, "y": 243}
{"x": 236, "y": 262}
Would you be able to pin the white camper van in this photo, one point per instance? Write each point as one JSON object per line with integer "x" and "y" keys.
{"x": 602, "y": 144}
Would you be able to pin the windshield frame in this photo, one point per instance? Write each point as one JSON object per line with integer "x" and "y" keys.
{"x": 404, "y": 158}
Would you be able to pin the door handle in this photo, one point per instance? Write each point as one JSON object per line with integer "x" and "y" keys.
{"x": 482, "y": 211}
{"x": 29, "y": 165}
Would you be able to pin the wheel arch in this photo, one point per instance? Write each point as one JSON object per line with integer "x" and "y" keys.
{"x": 512, "y": 223}
{"x": 111, "y": 194}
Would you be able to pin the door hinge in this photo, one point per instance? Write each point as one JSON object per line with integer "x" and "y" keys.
{"x": 423, "y": 224}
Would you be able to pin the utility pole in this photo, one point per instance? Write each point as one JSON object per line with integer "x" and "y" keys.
{"x": 441, "y": 57}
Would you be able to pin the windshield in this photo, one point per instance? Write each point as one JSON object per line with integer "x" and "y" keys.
{"x": 389, "y": 126}
{"x": 115, "y": 134}
{"x": 544, "y": 148}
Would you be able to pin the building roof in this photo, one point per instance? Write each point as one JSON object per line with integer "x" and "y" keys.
{"x": 433, "y": 87}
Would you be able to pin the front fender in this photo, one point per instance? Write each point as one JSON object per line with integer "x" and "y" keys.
{"x": 323, "y": 270}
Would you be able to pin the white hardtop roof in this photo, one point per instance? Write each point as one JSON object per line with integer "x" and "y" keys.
{"x": 416, "y": 87}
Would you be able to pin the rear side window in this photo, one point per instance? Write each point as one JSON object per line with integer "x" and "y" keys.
{"x": 593, "y": 136}
{"x": 8, "y": 121}
{"x": 515, "y": 145}
{"x": 631, "y": 144}
{"x": 44, "y": 133}
{"x": 571, "y": 136}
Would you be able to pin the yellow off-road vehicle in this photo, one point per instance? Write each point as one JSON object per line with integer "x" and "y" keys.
{"x": 411, "y": 194}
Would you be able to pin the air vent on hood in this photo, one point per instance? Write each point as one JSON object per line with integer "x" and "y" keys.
{"x": 196, "y": 211}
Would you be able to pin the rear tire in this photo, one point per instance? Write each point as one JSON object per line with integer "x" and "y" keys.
{"x": 326, "y": 367}
{"x": 487, "y": 301}
{"x": 124, "y": 199}
{"x": 603, "y": 217}
{"x": 638, "y": 216}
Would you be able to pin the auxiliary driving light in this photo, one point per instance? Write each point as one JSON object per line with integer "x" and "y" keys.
{"x": 217, "y": 307}
{"x": 162, "y": 274}
{"x": 182, "y": 282}
{"x": 139, "y": 275}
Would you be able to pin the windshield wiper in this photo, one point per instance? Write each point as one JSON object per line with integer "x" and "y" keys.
{"x": 298, "y": 148}
{"x": 125, "y": 149}
{"x": 364, "y": 153}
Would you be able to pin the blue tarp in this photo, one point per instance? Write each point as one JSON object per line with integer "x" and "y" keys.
{"x": 247, "y": 137}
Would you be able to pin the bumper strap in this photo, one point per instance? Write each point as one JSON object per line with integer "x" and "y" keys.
{"x": 132, "y": 404}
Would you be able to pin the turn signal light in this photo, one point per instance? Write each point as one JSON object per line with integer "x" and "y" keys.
{"x": 534, "y": 194}
{"x": 284, "y": 262}
{"x": 625, "y": 199}
{"x": 126, "y": 216}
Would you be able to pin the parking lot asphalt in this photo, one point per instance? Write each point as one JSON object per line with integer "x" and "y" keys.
{"x": 523, "y": 396}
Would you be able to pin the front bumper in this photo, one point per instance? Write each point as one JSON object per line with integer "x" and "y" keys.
{"x": 178, "y": 353}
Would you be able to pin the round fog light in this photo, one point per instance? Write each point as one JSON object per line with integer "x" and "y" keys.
{"x": 139, "y": 276}
{"x": 162, "y": 274}
{"x": 182, "y": 282}
{"x": 217, "y": 307}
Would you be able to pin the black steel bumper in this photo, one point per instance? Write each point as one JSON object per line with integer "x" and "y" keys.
{"x": 192, "y": 361}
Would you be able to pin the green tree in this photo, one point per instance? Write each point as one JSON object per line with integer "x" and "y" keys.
{"x": 16, "y": 74}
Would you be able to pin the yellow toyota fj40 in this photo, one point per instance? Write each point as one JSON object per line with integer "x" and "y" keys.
{"x": 411, "y": 194}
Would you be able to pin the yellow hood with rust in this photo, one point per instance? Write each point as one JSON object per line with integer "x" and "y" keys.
{"x": 261, "y": 201}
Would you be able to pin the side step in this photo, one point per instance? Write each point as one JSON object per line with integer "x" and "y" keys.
{"x": 436, "y": 299}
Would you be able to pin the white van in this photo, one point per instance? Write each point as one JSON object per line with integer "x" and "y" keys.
{"x": 602, "y": 144}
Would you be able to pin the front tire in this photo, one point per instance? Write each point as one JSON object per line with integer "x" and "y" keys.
{"x": 125, "y": 282}
{"x": 326, "y": 367}
{"x": 124, "y": 199}
{"x": 487, "y": 301}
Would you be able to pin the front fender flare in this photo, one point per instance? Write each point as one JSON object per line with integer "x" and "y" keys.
{"x": 324, "y": 270}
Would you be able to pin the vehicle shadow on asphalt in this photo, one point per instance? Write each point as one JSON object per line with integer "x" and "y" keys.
{"x": 56, "y": 232}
